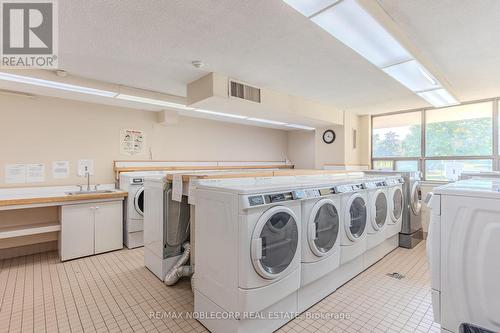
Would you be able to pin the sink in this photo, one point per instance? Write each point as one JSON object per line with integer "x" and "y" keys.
{"x": 89, "y": 192}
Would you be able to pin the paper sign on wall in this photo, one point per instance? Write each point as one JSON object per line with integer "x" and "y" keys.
{"x": 132, "y": 142}
{"x": 60, "y": 169}
{"x": 35, "y": 173}
{"x": 15, "y": 173}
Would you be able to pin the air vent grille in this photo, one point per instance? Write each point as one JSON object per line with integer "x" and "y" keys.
{"x": 243, "y": 91}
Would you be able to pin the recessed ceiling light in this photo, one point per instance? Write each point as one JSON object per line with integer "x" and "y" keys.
{"x": 55, "y": 85}
{"x": 151, "y": 101}
{"x": 301, "y": 127}
{"x": 352, "y": 25}
{"x": 230, "y": 115}
{"x": 412, "y": 75}
{"x": 266, "y": 121}
{"x": 439, "y": 97}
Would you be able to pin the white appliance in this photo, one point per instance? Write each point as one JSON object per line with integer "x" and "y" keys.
{"x": 379, "y": 212}
{"x": 248, "y": 254}
{"x": 480, "y": 174}
{"x": 396, "y": 205}
{"x": 355, "y": 214}
{"x": 462, "y": 247}
{"x": 133, "y": 217}
{"x": 166, "y": 226}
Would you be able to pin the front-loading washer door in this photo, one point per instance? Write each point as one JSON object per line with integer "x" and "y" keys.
{"x": 323, "y": 227}
{"x": 356, "y": 217}
{"x": 397, "y": 204}
{"x": 416, "y": 198}
{"x": 379, "y": 210}
{"x": 274, "y": 242}
{"x": 139, "y": 201}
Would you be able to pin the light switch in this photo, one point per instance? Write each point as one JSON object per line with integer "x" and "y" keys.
{"x": 84, "y": 167}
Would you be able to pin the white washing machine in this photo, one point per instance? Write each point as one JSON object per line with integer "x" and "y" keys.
{"x": 356, "y": 215}
{"x": 462, "y": 247}
{"x": 133, "y": 217}
{"x": 396, "y": 205}
{"x": 248, "y": 255}
{"x": 379, "y": 212}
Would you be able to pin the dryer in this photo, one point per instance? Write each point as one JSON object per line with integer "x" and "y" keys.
{"x": 462, "y": 249}
{"x": 248, "y": 254}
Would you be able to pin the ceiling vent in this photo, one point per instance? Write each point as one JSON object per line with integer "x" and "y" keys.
{"x": 245, "y": 92}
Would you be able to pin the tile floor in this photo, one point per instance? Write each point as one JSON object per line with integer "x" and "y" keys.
{"x": 113, "y": 292}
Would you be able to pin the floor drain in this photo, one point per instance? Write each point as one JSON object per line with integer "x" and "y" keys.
{"x": 396, "y": 275}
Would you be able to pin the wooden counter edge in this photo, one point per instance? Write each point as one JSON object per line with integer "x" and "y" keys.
{"x": 65, "y": 198}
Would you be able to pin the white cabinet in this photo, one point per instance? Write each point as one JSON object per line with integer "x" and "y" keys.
{"x": 88, "y": 229}
{"x": 108, "y": 234}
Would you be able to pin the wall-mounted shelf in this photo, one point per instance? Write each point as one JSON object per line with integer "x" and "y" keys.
{"x": 29, "y": 229}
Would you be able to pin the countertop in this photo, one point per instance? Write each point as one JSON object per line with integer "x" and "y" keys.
{"x": 53, "y": 194}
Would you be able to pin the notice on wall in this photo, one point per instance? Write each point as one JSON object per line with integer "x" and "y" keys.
{"x": 60, "y": 169}
{"x": 35, "y": 173}
{"x": 132, "y": 142}
{"x": 15, "y": 173}
{"x": 177, "y": 188}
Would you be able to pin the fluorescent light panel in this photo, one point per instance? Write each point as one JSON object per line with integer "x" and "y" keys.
{"x": 439, "y": 97}
{"x": 151, "y": 101}
{"x": 301, "y": 127}
{"x": 309, "y": 7}
{"x": 413, "y": 76}
{"x": 236, "y": 116}
{"x": 352, "y": 25}
{"x": 266, "y": 121}
{"x": 55, "y": 85}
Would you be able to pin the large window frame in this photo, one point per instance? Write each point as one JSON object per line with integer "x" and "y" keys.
{"x": 421, "y": 160}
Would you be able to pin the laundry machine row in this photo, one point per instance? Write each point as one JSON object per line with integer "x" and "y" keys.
{"x": 282, "y": 247}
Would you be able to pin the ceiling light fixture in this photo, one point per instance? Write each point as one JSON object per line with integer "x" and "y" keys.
{"x": 350, "y": 23}
{"x": 438, "y": 97}
{"x": 266, "y": 121}
{"x": 230, "y": 115}
{"x": 301, "y": 127}
{"x": 55, "y": 85}
{"x": 309, "y": 7}
{"x": 151, "y": 101}
{"x": 412, "y": 75}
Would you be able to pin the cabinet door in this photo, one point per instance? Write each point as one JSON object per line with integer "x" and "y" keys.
{"x": 77, "y": 231}
{"x": 108, "y": 226}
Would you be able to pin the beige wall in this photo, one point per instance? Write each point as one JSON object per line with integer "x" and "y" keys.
{"x": 333, "y": 153}
{"x": 301, "y": 149}
{"x": 364, "y": 142}
{"x": 44, "y": 129}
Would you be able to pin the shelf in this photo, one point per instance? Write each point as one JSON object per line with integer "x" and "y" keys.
{"x": 29, "y": 229}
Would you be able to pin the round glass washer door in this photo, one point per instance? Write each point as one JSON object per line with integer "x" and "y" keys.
{"x": 356, "y": 217}
{"x": 379, "y": 209}
{"x": 323, "y": 227}
{"x": 416, "y": 196}
{"x": 139, "y": 201}
{"x": 397, "y": 204}
{"x": 274, "y": 242}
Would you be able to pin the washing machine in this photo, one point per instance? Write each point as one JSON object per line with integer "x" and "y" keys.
{"x": 356, "y": 215}
{"x": 133, "y": 217}
{"x": 248, "y": 240}
{"x": 396, "y": 206}
{"x": 379, "y": 212}
{"x": 462, "y": 248}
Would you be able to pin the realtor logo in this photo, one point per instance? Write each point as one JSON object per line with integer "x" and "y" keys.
{"x": 29, "y": 34}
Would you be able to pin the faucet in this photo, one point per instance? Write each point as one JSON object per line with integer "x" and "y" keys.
{"x": 87, "y": 174}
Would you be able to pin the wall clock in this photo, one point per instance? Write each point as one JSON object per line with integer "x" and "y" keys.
{"x": 329, "y": 136}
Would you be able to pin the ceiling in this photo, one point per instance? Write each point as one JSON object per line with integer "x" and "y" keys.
{"x": 150, "y": 45}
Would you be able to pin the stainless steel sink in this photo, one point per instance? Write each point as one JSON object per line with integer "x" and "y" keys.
{"x": 89, "y": 192}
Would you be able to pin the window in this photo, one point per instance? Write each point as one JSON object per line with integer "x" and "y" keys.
{"x": 397, "y": 135}
{"x": 459, "y": 131}
{"x": 455, "y": 139}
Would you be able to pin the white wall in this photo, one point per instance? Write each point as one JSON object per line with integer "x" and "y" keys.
{"x": 333, "y": 153}
{"x": 45, "y": 129}
{"x": 301, "y": 149}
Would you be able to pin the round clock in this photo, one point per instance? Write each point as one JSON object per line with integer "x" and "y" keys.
{"x": 329, "y": 136}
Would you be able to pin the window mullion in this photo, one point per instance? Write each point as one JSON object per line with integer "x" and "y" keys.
{"x": 495, "y": 136}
